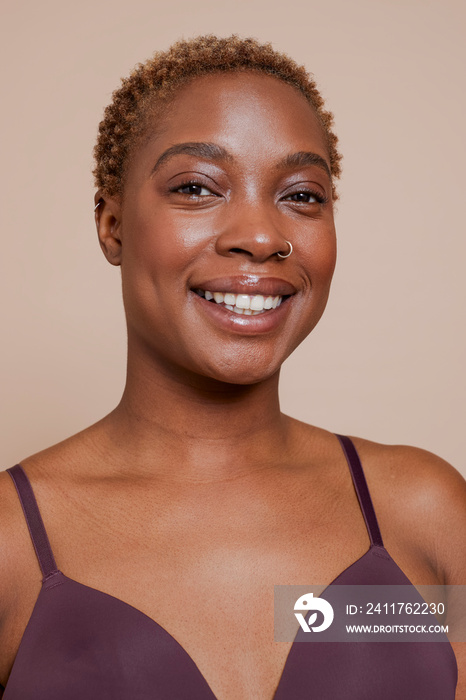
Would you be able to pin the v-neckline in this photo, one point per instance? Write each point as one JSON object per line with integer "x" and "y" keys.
{"x": 50, "y": 562}
{"x": 173, "y": 639}
{"x": 50, "y": 581}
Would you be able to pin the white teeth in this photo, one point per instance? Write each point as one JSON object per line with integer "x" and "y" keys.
{"x": 257, "y": 302}
{"x": 249, "y": 304}
{"x": 229, "y": 299}
{"x": 243, "y": 301}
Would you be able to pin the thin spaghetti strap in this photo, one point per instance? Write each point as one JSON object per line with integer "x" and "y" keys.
{"x": 34, "y": 520}
{"x": 360, "y": 485}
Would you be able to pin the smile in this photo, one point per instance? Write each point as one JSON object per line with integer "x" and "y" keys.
{"x": 245, "y": 304}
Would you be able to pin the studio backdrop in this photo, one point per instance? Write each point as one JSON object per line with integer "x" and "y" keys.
{"x": 386, "y": 362}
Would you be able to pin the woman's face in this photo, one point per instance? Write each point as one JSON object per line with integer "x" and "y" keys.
{"x": 236, "y": 166}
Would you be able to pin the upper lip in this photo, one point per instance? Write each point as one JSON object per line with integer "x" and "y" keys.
{"x": 248, "y": 284}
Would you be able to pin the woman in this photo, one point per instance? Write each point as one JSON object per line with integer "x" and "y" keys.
{"x": 174, "y": 516}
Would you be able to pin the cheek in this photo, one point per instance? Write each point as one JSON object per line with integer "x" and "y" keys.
{"x": 157, "y": 247}
{"x": 319, "y": 262}
{"x": 321, "y": 259}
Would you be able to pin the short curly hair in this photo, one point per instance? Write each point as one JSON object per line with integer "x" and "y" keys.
{"x": 152, "y": 82}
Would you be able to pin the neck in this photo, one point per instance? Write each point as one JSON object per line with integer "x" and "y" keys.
{"x": 196, "y": 428}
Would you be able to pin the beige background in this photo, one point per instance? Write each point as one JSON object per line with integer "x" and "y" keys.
{"x": 387, "y": 360}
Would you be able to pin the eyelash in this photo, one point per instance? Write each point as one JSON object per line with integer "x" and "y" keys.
{"x": 320, "y": 198}
{"x": 190, "y": 183}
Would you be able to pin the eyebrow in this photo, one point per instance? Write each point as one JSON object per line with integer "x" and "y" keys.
{"x": 302, "y": 159}
{"x": 211, "y": 151}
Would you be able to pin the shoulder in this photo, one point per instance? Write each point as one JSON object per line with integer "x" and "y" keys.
{"x": 425, "y": 497}
{"x": 20, "y": 573}
{"x": 412, "y": 468}
{"x": 17, "y": 552}
{"x": 11, "y": 527}
{"x": 20, "y": 569}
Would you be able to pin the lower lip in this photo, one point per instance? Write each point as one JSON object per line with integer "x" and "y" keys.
{"x": 245, "y": 325}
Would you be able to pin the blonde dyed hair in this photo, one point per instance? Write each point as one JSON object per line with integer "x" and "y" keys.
{"x": 153, "y": 82}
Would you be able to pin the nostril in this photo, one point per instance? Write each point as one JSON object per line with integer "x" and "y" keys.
{"x": 240, "y": 250}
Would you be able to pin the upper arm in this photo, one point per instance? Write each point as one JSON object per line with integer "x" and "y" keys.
{"x": 421, "y": 500}
{"x": 436, "y": 497}
{"x": 439, "y": 495}
{"x": 20, "y": 576}
{"x": 7, "y": 546}
{"x": 448, "y": 534}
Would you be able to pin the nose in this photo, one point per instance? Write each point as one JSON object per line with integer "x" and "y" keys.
{"x": 251, "y": 232}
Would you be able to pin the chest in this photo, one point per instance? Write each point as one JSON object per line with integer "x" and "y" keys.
{"x": 205, "y": 572}
{"x": 93, "y": 630}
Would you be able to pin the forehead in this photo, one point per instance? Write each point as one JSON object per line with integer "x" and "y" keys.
{"x": 252, "y": 115}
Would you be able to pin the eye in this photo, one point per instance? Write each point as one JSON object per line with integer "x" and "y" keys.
{"x": 306, "y": 197}
{"x": 193, "y": 189}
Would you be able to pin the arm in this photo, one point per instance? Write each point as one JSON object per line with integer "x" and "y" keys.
{"x": 420, "y": 502}
{"x": 19, "y": 581}
{"x": 438, "y": 494}
{"x": 448, "y": 533}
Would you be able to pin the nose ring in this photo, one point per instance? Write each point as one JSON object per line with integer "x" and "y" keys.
{"x": 288, "y": 254}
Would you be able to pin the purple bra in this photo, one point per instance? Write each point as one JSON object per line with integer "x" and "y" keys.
{"x": 83, "y": 643}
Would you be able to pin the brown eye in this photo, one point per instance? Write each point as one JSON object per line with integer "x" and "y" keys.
{"x": 193, "y": 189}
{"x": 304, "y": 197}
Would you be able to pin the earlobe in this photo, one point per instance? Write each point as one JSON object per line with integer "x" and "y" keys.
{"x": 107, "y": 213}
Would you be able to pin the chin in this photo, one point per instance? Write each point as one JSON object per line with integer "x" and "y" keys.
{"x": 243, "y": 373}
{"x": 243, "y": 379}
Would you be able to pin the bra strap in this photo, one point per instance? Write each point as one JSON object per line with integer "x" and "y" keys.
{"x": 360, "y": 485}
{"x": 34, "y": 520}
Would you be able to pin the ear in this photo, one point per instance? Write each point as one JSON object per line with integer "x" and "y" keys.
{"x": 107, "y": 214}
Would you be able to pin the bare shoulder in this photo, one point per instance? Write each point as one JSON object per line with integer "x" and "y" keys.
{"x": 16, "y": 568}
{"x": 421, "y": 501}
{"x": 20, "y": 573}
{"x": 423, "y": 496}
{"x": 412, "y": 466}
{"x": 45, "y": 469}
{"x": 11, "y": 528}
